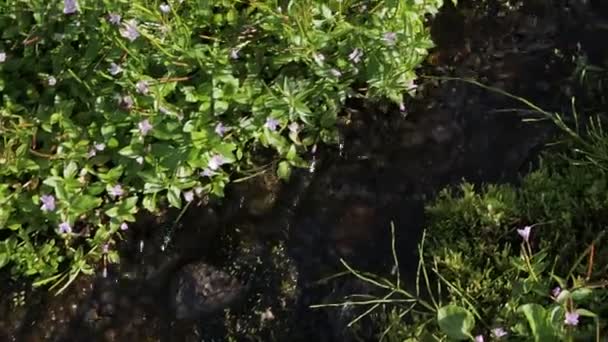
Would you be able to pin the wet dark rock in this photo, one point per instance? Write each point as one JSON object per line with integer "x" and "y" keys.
{"x": 200, "y": 289}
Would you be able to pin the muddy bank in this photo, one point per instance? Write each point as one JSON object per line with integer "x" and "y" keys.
{"x": 260, "y": 252}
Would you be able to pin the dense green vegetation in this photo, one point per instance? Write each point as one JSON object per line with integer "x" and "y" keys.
{"x": 513, "y": 262}
{"x": 111, "y": 107}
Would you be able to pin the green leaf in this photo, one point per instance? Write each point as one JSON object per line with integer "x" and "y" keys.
{"x": 586, "y": 313}
{"x": 70, "y": 170}
{"x": 149, "y": 202}
{"x": 173, "y": 195}
{"x": 284, "y": 170}
{"x": 539, "y": 322}
{"x": 82, "y": 204}
{"x": 456, "y": 322}
{"x": 582, "y": 294}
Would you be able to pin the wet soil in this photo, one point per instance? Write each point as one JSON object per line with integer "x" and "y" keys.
{"x": 248, "y": 267}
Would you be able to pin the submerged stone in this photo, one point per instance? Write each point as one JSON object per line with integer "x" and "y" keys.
{"x": 199, "y": 289}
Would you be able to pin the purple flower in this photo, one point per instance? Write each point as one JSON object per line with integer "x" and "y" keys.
{"x": 70, "y": 6}
{"x": 126, "y": 102}
{"x": 402, "y": 108}
{"x": 556, "y": 291}
{"x": 114, "y": 18}
{"x": 124, "y": 226}
{"x": 355, "y": 56}
{"x": 2, "y": 57}
{"x": 271, "y": 123}
{"x": 335, "y": 72}
{"x": 129, "y": 30}
{"x": 114, "y": 69}
{"x": 144, "y": 127}
{"x": 48, "y": 203}
{"x": 234, "y": 53}
{"x": 294, "y": 127}
{"x": 116, "y": 191}
{"x": 571, "y": 318}
{"x": 390, "y": 38}
{"x": 216, "y": 161}
{"x": 64, "y": 228}
{"x": 189, "y": 196}
{"x": 105, "y": 249}
{"x": 319, "y": 58}
{"x": 142, "y": 87}
{"x": 207, "y": 173}
{"x": 51, "y": 81}
{"x": 99, "y": 146}
{"x": 165, "y": 8}
{"x": 220, "y": 129}
{"x": 525, "y": 233}
{"x": 92, "y": 153}
{"x": 499, "y": 332}
{"x": 479, "y": 338}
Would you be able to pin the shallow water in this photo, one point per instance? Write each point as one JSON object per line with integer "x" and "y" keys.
{"x": 268, "y": 243}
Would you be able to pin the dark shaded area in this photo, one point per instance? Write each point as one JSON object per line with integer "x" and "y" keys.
{"x": 262, "y": 250}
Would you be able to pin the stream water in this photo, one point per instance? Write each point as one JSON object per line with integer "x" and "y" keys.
{"x": 248, "y": 267}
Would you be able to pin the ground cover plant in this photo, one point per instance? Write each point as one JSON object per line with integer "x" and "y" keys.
{"x": 109, "y": 108}
{"x": 511, "y": 263}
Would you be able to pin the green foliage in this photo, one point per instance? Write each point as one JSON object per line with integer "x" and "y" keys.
{"x": 512, "y": 263}
{"x": 112, "y": 115}
{"x": 455, "y": 322}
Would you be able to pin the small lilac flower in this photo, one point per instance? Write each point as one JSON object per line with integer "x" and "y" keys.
{"x": 390, "y": 38}
{"x": 64, "y": 228}
{"x": 335, "y": 72}
{"x": 105, "y": 249}
{"x": 92, "y": 153}
{"x": 355, "y": 55}
{"x": 525, "y": 233}
{"x": 234, "y": 53}
{"x": 215, "y": 162}
{"x": 70, "y": 6}
{"x": 129, "y": 30}
{"x": 52, "y": 81}
{"x": 114, "y": 69}
{"x": 294, "y": 127}
{"x": 124, "y": 226}
{"x": 116, "y": 190}
{"x": 100, "y": 146}
{"x": 207, "y": 173}
{"x": 48, "y": 203}
{"x": 499, "y": 332}
{"x": 144, "y": 127}
{"x": 142, "y": 87}
{"x": 571, "y": 318}
{"x": 2, "y": 57}
{"x": 402, "y": 108}
{"x": 165, "y": 8}
{"x": 220, "y": 129}
{"x": 479, "y": 338}
{"x": 189, "y": 196}
{"x": 271, "y": 123}
{"x": 319, "y": 58}
{"x": 139, "y": 160}
{"x": 556, "y": 291}
{"x": 114, "y": 18}
{"x": 126, "y": 102}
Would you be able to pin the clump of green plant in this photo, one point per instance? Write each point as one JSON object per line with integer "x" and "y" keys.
{"x": 512, "y": 263}
{"x": 109, "y": 107}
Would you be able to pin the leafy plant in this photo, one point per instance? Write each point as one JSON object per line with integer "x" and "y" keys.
{"x": 110, "y": 107}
